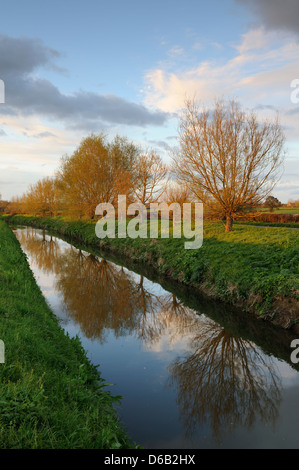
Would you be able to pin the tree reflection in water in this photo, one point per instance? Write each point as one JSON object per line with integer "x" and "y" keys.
{"x": 97, "y": 294}
{"x": 221, "y": 379}
{"x": 44, "y": 249}
{"x": 224, "y": 380}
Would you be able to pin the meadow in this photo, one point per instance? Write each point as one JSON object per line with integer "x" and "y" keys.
{"x": 283, "y": 210}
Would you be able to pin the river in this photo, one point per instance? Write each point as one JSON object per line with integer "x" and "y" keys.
{"x": 193, "y": 373}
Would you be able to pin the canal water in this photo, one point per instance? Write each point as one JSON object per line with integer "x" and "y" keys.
{"x": 193, "y": 373}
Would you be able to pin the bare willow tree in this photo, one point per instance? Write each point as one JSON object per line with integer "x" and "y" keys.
{"x": 178, "y": 193}
{"x": 229, "y": 159}
{"x": 150, "y": 178}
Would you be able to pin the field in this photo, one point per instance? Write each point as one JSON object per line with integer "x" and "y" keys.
{"x": 283, "y": 210}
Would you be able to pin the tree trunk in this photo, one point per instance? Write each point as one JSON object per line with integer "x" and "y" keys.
{"x": 229, "y": 223}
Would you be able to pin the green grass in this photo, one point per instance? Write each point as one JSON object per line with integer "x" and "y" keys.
{"x": 251, "y": 266}
{"x": 268, "y": 224}
{"x": 50, "y": 396}
{"x": 282, "y": 210}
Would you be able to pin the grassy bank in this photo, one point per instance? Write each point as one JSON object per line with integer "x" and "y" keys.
{"x": 269, "y": 224}
{"x": 252, "y": 267}
{"x": 50, "y": 396}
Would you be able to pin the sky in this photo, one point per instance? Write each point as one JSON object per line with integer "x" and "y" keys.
{"x": 71, "y": 68}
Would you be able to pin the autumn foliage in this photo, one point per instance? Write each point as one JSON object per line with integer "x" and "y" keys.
{"x": 97, "y": 172}
{"x": 226, "y": 159}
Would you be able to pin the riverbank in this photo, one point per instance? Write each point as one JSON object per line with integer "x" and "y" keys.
{"x": 253, "y": 268}
{"x": 51, "y": 396}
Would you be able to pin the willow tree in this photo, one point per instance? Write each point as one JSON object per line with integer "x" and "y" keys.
{"x": 229, "y": 160}
{"x": 97, "y": 172}
{"x": 42, "y": 197}
{"x": 150, "y": 178}
{"x": 179, "y": 193}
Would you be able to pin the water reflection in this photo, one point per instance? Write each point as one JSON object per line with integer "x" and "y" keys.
{"x": 220, "y": 379}
{"x": 225, "y": 380}
{"x": 97, "y": 294}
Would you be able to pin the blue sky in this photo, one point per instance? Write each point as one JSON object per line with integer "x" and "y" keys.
{"x": 72, "y": 67}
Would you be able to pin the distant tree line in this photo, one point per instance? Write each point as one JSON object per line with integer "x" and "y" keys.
{"x": 226, "y": 159}
{"x": 98, "y": 171}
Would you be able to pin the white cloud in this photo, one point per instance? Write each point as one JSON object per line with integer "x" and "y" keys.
{"x": 262, "y": 69}
{"x": 197, "y": 46}
{"x": 259, "y": 74}
{"x": 253, "y": 39}
{"x": 176, "y": 51}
